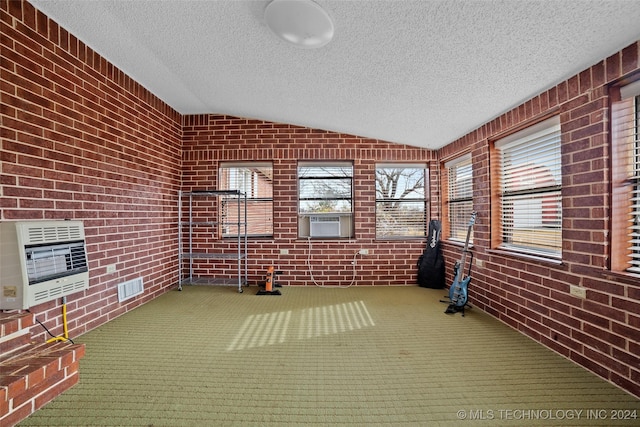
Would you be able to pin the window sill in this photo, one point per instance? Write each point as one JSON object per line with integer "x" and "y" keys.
{"x": 249, "y": 237}
{"x": 330, "y": 238}
{"x": 523, "y": 256}
{"x": 458, "y": 243}
{"x": 400, "y": 239}
{"x": 632, "y": 278}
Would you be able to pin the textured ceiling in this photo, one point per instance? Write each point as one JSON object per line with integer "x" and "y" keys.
{"x": 421, "y": 73}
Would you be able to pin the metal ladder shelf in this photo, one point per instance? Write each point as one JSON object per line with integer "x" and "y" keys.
{"x": 186, "y": 227}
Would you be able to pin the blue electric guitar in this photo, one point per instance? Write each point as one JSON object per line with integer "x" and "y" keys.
{"x": 458, "y": 296}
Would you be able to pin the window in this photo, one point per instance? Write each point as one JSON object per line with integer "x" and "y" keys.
{"x": 531, "y": 190}
{"x": 256, "y": 181}
{"x": 625, "y": 119}
{"x": 400, "y": 201}
{"x": 459, "y": 197}
{"x": 325, "y": 199}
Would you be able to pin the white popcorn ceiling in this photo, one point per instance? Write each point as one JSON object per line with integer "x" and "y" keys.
{"x": 422, "y": 73}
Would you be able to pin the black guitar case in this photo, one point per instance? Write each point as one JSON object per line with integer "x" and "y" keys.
{"x": 431, "y": 262}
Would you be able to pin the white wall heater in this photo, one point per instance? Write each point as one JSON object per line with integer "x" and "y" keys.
{"x": 324, "y": 226}
{"x": 41, "y": 261}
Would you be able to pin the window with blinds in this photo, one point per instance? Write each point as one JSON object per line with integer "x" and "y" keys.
{"x": 459, "y": 197}
{"x": 626, "y": 179}
{"x": 531, "y": 190}
{"x": 256, "y": 181}
{"x": 325, "y": 187}
{"x": 401, "y": 201}
{"x": 325, "y": 199}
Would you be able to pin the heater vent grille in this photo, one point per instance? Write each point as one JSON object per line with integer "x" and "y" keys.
{"x": 60, "y": 288}
{"x": 53, "y": 233}
{"x": 130, "y": 289}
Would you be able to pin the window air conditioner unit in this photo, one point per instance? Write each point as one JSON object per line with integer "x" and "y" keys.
{"x": 324, "y": 226}
{"x": 41, "y": 261}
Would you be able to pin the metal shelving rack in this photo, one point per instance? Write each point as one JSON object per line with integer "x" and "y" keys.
{"x": 186, "y": 240}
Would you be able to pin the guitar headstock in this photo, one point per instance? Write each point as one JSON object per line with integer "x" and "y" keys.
{"x": 473, "y": 218}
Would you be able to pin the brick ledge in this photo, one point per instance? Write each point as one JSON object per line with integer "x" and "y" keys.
{"x": 32, "y": 377}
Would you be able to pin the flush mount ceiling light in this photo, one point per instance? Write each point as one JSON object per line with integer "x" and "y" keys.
{"x": 301, "y": 22}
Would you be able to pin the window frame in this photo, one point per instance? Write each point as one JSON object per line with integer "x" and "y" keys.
{"x": 458, "y": 204}
{"x": 346, "y": 218}
{"x": 422, "y": 200}
{"x": 252, "y": 189}
{"x": 541, "y": 238}
{"x": 625, "y": 167}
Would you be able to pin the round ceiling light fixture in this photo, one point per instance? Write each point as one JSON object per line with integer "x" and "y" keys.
{"x": 301, "y": 22}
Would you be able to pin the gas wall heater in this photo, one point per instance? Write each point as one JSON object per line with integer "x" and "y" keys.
{"x": 324, "y": 226}
{"x": 41, "y": 261}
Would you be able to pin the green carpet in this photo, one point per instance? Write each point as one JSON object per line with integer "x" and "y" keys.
{"x": 209, "y": 356}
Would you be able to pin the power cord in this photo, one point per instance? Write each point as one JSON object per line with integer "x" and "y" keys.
{"x": 353, "y": 278}
{"x": 49, "y": 332}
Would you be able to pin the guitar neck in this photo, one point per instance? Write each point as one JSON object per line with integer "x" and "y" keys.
{"x": 463, "y": 259}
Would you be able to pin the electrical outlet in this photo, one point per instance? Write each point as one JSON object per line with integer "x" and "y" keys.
{"x": 577, "y": 291}
{"x": 364, "y": 252}
{"x": 111, "y": 268}
{"x": 284, "y": 251}
{"x": 479, "y": 263}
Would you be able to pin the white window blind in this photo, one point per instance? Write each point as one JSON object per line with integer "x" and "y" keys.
{"x": 460, "y": 197}
{"x": 256, "y": 181}
{"x": 531, "y": 190}
{"x": 626, "y": 119}
{"x": 325, "y": 187}
{"x": 401, "y": 201}
{"x": 635, "y": 196}
{"x": 325, "y": 199}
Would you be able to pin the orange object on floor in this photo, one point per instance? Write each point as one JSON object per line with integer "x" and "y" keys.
{"x": 269, "y": 284}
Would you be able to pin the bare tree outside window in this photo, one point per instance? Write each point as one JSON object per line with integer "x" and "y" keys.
{"x": 325, "y": 188}
{"x": 400, "y": 201}
{"x": 325, "y": 199}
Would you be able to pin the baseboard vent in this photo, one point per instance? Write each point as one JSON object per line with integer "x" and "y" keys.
{"x": 130, "y": 289}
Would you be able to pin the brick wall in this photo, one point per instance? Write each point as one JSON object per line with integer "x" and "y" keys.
{"x": 602, "y": 331}
{"x": 82, "y": 140}
{"x": 211, "y": 139}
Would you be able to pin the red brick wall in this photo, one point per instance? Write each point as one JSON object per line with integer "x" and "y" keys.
{"x": 602, "y": 331}
{"x": 82, "y": 140}
{"x": 211, "y": 139}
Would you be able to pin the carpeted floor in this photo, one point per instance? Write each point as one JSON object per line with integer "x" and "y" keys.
{"x": 209, "y": 356}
